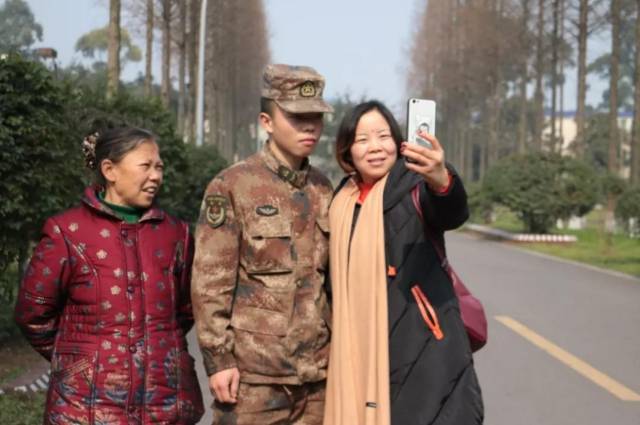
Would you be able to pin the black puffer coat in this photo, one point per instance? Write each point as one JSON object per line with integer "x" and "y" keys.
{"x": 432, "y": 381}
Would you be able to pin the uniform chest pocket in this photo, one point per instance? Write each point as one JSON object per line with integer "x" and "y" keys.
{"x": 268, "y": 246}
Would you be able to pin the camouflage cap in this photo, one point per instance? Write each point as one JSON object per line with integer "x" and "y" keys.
{"x": 296, "y": 89}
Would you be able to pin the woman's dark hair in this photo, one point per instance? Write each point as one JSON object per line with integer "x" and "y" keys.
{"x": 347, "y": 131}
{"x": 113, "y": 144}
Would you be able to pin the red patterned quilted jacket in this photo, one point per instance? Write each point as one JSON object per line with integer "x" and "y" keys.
{"x": 108, "y": 304}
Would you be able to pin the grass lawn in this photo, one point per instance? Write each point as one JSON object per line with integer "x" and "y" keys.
{"x": 22, "y": 408}
{"x": 16, "y": 355}
{"x": 623, "y": 255}
{"x": 16, "y": 358}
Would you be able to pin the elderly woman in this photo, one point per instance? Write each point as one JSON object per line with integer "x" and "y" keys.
{"x": 399, "y": 352}
{"x": 106, "y": 299}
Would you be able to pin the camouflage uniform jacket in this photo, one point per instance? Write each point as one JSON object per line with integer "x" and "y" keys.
{"x": 259, "y": 269}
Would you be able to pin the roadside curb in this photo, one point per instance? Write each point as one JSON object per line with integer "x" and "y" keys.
{"x": 610, "y": 272}
{"x": 39, "y": 384}
{"x": 519, "y": 237}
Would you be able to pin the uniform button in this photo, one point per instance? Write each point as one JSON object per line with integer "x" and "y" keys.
{"x": 299, "y": 283}
{"x": 132, "y": 408}
{"x": 132, "y": 348}
{"x": 123, "y": 232}
{"x": 131, "y": 289}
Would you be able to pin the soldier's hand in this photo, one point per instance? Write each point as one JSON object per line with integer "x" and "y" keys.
{"x": 224, "y": 385}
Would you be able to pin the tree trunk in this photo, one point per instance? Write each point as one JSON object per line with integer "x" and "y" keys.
{"x": 113, "y": 59}
{"x": 560, "y": 135}
{"x": 524, "y": 79}
{"x": 493, "y": 120}
{"x": 192, "y": 64}
{"x": 539, "y": 69}
{"x": 554, "y": 75}
{"x": 635, "y": 139}
{"x": 148, "y": 77}
{"x": 496, "y": 97}
{"x": 613, "y": 87}
{"x": 583, "y": 28}
{"x": 182, "y": 89}
{"x": 166, "y": 53}
{"x": 231, "y": 94}
{"x": 482, "y": 158}
{"x": 613, "y": 116}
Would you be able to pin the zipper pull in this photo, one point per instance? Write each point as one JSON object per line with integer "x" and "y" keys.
{"x": 428, "y": 313}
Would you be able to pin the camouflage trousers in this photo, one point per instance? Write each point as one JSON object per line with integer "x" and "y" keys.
{"x": 273, "y": 405}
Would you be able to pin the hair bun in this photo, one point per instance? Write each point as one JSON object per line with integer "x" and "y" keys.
{"x": 89, "y": 150}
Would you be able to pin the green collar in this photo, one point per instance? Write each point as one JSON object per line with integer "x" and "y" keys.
{"x": 127, "y": 214}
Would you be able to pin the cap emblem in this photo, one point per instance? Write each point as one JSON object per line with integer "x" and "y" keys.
{"x": 307, "y": 89}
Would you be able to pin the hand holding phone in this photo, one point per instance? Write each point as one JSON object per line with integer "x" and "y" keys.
{"x": 421, "y": 118}
{"x": 422, "y": 151}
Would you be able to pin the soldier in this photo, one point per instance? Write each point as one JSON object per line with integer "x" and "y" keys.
{"x": 259, "y": 301}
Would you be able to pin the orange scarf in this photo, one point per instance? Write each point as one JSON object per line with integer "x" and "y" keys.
{"x": 358, "y": 379}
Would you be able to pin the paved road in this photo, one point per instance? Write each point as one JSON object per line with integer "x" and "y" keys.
{"x": 202, "y": 377}
{"x": 583, "y": 316}
{"x": 590, "y": 314}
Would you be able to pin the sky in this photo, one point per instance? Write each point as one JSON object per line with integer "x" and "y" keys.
{"x": 362, "y": 47}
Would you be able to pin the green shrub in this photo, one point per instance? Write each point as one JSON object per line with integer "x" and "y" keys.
{"x": 40, "y": 170}
{"x": 42, "y": 124}
{"x": 542, "y": 188}
{"x": 480, "y": 205}
{"x": 628, "y": 208}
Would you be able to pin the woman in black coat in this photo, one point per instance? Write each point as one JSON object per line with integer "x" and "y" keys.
{"x": 390, "y": 291}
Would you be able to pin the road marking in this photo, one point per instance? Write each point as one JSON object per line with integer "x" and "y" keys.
{"x": 580, "y": 366}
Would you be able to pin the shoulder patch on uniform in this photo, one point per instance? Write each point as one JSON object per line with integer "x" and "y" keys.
{"x": 267, "y": 210}
{"x": 216, "y": 210}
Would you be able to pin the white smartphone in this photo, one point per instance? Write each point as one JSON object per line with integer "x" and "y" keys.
{"x": 421, "y": 117}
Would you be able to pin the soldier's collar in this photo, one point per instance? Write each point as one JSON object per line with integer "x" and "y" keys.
{"x": 296, "y": 178}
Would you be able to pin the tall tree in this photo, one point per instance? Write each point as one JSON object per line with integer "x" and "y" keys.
{"x": 237, "y": 49}
{"x": 113, "y": 58}
{"x": 555, "y": 46}
{"x": 561, "y": 75}
{"x": 524, "y": 76}
{"x": 182, "y": 64}
{"x": 193, "y": 11}
{"x": 614, "y": 75}
{"x": 612, "y": 157}
{"x": 18, "y": 27}
{"x": 148, "y": 76}
{"x": 165, "y": 88}
{"x": 459, "y": 58}
{"x": 497, "y": 83}
{"x": 583, "y": 30}
{"x": 539, "y": 71}
{"x": 635, "y": 136}
{"x": 95, "y": 44}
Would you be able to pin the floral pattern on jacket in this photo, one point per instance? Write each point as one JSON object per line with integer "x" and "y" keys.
{"x": 108, "y": 303}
